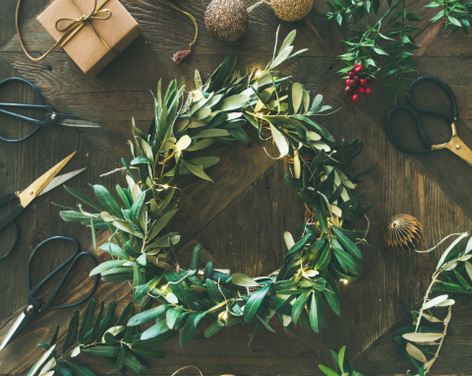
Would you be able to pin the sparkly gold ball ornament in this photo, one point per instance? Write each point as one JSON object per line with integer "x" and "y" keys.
{"x": 403, "y": 234}
{"x": 227, "y": 20}
{"x": 291, "y": 10}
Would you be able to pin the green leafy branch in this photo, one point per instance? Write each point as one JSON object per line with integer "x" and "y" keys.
{"x": 399, "y": 62}
{"x": 340, "y": 11}
{"x": 345, "y": 367}
{"x": 99, "y": 335}
{"x": 367, "y": 47}
{"x": 363, "y": 47}
{"x": 456, "y": 14}
{"x": 420, "y": 343}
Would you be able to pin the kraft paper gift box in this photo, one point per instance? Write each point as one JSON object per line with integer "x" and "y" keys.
{"x": 93, "y": 43}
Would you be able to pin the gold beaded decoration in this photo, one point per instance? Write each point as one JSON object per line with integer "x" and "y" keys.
{"x": 227, "y": 20}
{"x": 403, "y": 234}
{"x": 291, "y": 10}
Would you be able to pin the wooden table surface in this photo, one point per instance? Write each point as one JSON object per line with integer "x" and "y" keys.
{"x": 241, "y": 219}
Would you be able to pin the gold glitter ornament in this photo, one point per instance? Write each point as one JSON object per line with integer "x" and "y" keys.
{"x": 403, "y": 234}
{"x": 291, "y": 10}
{"x": 227, "y": 20}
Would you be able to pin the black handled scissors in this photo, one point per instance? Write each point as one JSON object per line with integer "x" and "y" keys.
{"x": 455, "y": 144}
{"x": 43, "y": 184}
{"x": 34, "y": 305}
{"x": 52, "y": 117}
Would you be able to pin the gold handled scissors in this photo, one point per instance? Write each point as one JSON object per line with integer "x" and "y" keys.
{"x": 455, "y": 144}
{"x": 44, "y": 184}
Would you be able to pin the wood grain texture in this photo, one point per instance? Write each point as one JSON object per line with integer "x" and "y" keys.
{"x": 241, "y": 219}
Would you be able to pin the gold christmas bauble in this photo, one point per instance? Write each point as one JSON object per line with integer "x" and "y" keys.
{"x": 291, "y": 10}
{"x": 403, "y": 234}
{"x": 227, "y": 20}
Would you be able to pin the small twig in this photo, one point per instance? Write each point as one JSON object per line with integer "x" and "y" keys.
{"x": 366, "y": 231}
{"x": 447, "y": 320}
{"x": 437, "y": 245}
{"x": 117, "y": 170}
{"x": 327, "y": 202}
{"x": 252, "y": 7}
{"x": 433, "y": 281}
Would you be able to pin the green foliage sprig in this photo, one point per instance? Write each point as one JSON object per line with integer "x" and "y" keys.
{"x": 101, "y": 335}
{"x": 456, "y": 14}
{"x": 346, "y": 367}
{"x": 221, "y": 109}
{"x": 421, "y": 342}
{"x": 392, "y": 41}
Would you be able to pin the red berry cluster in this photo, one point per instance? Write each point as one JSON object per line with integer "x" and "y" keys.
{"x": 356, "y": 85}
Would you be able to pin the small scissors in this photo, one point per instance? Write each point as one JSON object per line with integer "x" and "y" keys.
{"x": 455, "y": 144}
{"x": 44, "y": 184}
{"x": 33, "y": 305}
{"x": 51, "y": 116}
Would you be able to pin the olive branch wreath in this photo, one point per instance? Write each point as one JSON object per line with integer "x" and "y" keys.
{"x": 143, "y": 252}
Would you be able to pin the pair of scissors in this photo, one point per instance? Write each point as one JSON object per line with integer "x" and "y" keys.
{"x": 44, "y": 184}
{"x": 455, "y": 144}
{"x": 34, "y": 305}
{"x": 52, "y": 117}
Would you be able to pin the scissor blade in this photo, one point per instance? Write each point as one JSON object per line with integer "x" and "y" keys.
{"x": 30, "y": 193}
{"x": 457, "y": 146}
{"x": 16, "y": 328}
{"x": 72, "y": 121}
{"x": 463, "y": 151}
{"x": 59, "y": 180}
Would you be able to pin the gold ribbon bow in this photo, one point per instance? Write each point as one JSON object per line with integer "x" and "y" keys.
{"x": 73, "y": 26}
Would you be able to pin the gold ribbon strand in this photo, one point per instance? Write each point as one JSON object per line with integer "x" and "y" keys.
{"x": 180, "y": 55}
{"x": 72, "y": 28}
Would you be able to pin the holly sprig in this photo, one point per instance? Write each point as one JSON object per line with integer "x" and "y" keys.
{"x": 390, "y": 43}
{"x": 368, "y": 47}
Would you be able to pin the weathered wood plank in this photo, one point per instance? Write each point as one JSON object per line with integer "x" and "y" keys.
{"x": 255, "y": 247}
{"x": 399, "y": 183}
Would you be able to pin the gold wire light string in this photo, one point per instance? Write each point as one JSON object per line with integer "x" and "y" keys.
{"x": 168, "y": 3}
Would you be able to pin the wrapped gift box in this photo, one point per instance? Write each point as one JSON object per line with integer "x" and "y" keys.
{"x": 95, "y": 43}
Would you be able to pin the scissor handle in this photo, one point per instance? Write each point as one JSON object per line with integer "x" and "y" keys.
{"x": 433, "y": 111}
{"x": 9, "y": 219}
{"x": 15, "y": 242}
{"x": 73, "y": 261}
{"x": 419, "y": 125}
{"x": 36, "y": 122}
